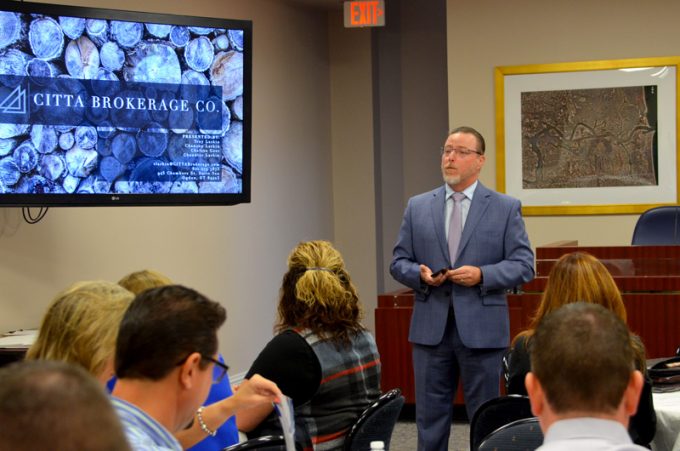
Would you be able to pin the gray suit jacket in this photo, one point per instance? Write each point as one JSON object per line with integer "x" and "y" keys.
{"x": 494, "y": 239}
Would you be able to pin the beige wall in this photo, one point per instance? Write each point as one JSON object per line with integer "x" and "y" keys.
{"x": 410, "y": 115}
{"x": 236, "y": 255}
{"x": 352, "y": 151}
{"x": 489, "y": 33}
{"x": 313, "y": 158}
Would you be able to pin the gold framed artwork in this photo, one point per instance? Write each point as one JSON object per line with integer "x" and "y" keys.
{"x": 593, "y": 137}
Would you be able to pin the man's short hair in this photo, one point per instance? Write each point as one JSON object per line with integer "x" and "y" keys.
{"x": 56, "y": 405}
{"x": 583, "y": 357}
{"x": 471, "y": 131}
{"x": 162, "y": 327}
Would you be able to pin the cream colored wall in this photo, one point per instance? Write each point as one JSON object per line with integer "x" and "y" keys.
{"x": 236, "y": 255}
{"x": 353, "y": 168}
{"x": 489, "y": 33}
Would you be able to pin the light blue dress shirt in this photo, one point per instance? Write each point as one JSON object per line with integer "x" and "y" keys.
{"x": 143, "y": 432}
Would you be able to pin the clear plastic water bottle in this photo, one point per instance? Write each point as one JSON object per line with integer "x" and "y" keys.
{"x": 378, "y": 446}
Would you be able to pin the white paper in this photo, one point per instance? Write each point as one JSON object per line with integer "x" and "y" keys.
{"x": 287, "y": 419}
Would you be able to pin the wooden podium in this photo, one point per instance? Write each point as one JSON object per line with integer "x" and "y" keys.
{"x": 648, "y": 277}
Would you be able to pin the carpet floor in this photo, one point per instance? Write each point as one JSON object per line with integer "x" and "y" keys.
{"x": 405, "y": 437}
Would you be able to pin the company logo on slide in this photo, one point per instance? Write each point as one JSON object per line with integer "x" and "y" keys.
{"x": 69, "y": 101}
{"x": 15, "y": 102}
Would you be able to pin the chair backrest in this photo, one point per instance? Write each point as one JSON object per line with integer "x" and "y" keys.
{"x": 658, "y": 226}
{"x": 376, "y": 422}
{"x": 520, "y": 435}
{"x": 264, "y": 443}
{"x": 495, "y": 413}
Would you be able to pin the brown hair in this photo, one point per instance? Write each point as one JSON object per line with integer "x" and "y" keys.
{"x": 583, "y": 357}
{"x": 317, "y": 294}
{"x": 580, "y": 277}
{"x": 162, "y": 327}
{"x": 575, "y": 277}
{"x": 471, "y": 131}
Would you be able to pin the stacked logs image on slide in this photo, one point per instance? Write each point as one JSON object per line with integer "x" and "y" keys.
{"x": 156, "y": 142}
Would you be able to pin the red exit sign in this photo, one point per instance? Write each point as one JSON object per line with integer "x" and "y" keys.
{"x": 365, "y": 13}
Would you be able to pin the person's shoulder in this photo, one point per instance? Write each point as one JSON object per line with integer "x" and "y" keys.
{"x": 365, "y": 338}
{"x": 366, "y": 335}
{"x": 500, "y": 197}
{"x": 286, "y": 339}
{"x": 142, "y": 431}
{"x": 286, "y": 352}
{"x": 429, "y": 195}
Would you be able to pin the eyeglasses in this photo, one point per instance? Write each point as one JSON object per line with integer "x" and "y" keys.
{"x": 459, "y": 153}
{"x": 223, "y": 369}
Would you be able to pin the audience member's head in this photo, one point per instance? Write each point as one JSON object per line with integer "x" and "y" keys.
{"x": 317, "y": 293}
{"x": 81, "y": 326}
{"x": 145, "y": 279}
{"x": 165, "y": 353}
{"x": 580, "y": 277}
{"x": 165, "y": 356}
{"x": 56, "y": 405}
{"x": 582, "y": 365}
{"x": 162, "y": 328}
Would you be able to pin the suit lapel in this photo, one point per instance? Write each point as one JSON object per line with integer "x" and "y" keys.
{"x": 438, "y": 207}
{"x": 480, "y": 202}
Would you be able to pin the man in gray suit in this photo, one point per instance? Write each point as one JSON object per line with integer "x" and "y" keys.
{"x": 460, "y": 247}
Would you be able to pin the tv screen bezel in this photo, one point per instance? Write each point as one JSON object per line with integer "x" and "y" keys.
{"x": 155, "y": 199}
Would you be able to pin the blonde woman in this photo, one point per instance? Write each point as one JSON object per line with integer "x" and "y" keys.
{"x": 144, "y": 279}
{"x": 81, "y": 326}
{"x": 575, "y": 277}
{"x": 322, "y": 357}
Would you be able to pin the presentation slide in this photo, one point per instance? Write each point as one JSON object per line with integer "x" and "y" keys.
{"x": 103, "y": 106}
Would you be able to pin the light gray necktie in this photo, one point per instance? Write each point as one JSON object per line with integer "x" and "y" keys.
{"x": 455, "y": 225}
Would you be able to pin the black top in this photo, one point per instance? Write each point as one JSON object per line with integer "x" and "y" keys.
{"x": 516, "y": 364}
{"x": 289, "y": 361}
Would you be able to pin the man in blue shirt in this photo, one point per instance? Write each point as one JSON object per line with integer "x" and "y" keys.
{"x": 165, "y": 355}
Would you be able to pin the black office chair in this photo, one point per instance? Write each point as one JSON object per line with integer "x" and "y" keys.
{"x": 376, "y": 422}
{"x": 520, "y": 435}
{"x": 658, "y": 226}
{"x": 495, "y": 413}
{"x": 264, "y": 443}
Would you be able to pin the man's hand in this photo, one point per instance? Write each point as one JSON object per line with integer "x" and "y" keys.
{"x": 426, "y": 276}
{"x": 467, "y": 276}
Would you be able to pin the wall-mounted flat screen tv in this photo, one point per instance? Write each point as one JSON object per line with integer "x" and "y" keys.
{"x": 107, "y": 107}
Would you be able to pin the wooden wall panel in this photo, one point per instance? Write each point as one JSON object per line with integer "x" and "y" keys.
{"x": 648, "y": 277}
